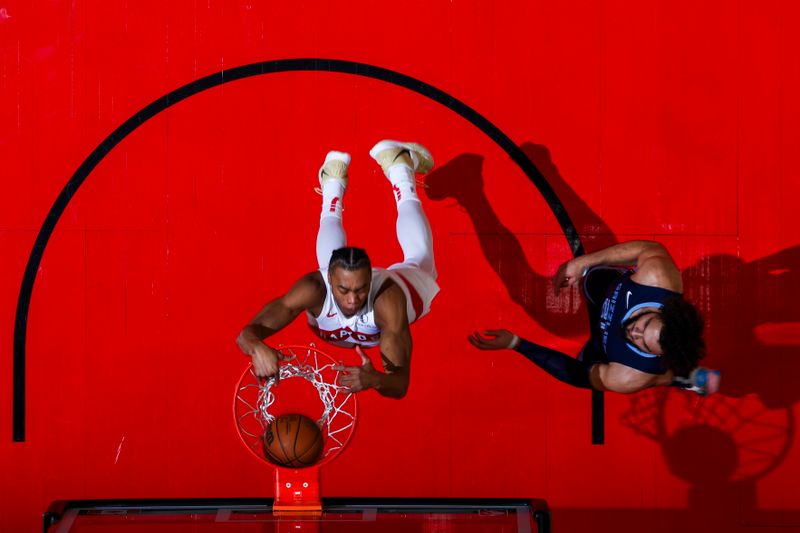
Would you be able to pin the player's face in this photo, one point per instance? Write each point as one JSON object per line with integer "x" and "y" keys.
{"x": 643, "y": 331}
{"x": 350, "y": 288}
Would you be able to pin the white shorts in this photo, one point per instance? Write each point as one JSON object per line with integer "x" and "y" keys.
{"x": 419, "y": 287}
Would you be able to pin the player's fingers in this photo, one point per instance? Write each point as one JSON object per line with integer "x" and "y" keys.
{"x": 352, "y": 370}
{"x": 364, "y": 358}
{"x": 353, "y": 387}
{"x": 563, "y": 282}
{"x": 483, "y": 336}
{"x": 478, "y": 342}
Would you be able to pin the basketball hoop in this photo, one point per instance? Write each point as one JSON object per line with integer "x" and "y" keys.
{"x": 256, "y": 404}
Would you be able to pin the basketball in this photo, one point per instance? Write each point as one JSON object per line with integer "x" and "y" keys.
{"x": 293, "y": 440}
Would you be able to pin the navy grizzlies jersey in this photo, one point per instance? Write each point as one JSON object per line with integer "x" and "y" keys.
{"x": 625, "y": 298}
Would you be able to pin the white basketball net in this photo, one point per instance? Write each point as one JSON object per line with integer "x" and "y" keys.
{"x": 255, "y": 398}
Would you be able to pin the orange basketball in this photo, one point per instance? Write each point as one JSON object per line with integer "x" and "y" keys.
{"x": 293, "y": 441}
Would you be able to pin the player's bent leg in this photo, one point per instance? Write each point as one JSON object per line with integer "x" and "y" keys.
{"x": 332, "y": 183}
{"x": 415, "y": 238}
{"x": 400, "y": 162}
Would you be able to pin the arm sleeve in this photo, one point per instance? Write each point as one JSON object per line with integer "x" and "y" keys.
{"x": 559, "y": 365}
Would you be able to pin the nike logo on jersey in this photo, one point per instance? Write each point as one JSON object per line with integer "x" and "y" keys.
{"x": 331, "y": 315}
{"x": 628, "y": 300}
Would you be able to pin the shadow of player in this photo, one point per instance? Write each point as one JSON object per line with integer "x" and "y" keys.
{"x": 752, "y": 321}
{"x": 461, "y": 179}
{"x": 722, "y": 444}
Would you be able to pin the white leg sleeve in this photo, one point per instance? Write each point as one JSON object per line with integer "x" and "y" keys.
{"x": 414, "y": 235}
{"x": 330, "y": 237}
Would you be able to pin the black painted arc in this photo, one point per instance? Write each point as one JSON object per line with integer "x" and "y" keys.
{"x": 214, "y": 80}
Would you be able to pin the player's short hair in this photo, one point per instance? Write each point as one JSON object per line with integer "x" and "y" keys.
{"x": 349, "y": 258}
{"x": 681, "y": 336}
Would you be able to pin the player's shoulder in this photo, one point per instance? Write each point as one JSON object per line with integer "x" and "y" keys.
{"x": 390, "y": 301}
{"x": 313, "y": 280}
{"x": 389, "y": 293}
{"x": 309, "y": 289}
{"x": 659, "y": 271}
{"x": 621, "y": 378}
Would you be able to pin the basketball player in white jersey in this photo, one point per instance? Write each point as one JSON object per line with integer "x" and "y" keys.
{"x": 349, "y": 303}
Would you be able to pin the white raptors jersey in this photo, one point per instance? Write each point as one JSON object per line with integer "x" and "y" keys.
{"x": 332, "y": 326}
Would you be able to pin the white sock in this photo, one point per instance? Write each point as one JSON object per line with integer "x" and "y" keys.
{"x": 403, "y": 184}
{"x": 332, "y": 196}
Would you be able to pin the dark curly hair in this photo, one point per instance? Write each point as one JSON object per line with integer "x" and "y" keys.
{"x": 349, "y": 258}
{"x": 681, "y": 336}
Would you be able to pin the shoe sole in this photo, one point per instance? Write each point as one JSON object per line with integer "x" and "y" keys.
{"x": 424, "y": 157}
{"x": 333, "y": 155}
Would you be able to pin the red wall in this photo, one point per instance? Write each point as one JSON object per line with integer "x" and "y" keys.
{"x": 663, "y": 120}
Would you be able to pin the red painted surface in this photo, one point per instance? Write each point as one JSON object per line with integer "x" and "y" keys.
{"x": 665, "y": 120}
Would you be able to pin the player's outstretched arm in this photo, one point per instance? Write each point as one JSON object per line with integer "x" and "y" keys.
{"x": 559, "y": 365}
{"x": 654, "y": 265}
{"x": 308, "y": 292}
{"x": 391, "y": 317}
{"x": 597, "y": 376}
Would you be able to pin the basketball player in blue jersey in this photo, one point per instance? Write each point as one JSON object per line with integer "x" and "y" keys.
{"x": 643, "y": 332}
{"x": 347, "y": 302}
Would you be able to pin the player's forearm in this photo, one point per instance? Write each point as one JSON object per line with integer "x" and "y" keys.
{"x": 274, "y": 317}
{"x": 623, "y": 254}
{"x": 251, "y": 336}
{"x": 392, "y": 384}
{"x": 561, "y": 366}
{"x": 396, "y": 356}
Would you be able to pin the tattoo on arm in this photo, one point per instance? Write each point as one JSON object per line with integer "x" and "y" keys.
{"x": 388, "y": 365}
